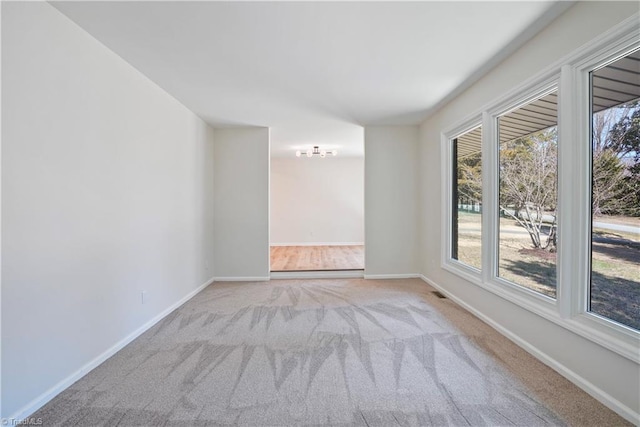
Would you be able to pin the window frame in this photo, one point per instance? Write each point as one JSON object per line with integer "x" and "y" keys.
{"x": 536, "y": 91}
{"x": 449, "y": 263}
{"x": 570, "y": 75}
{"x": 578, "y": 74}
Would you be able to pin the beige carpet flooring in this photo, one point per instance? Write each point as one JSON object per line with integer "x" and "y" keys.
{"x": 323, "y": 352}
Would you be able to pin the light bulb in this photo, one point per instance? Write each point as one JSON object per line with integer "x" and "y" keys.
{"x": 298, "y": 153}
{"x": 334, "y": 152}
{"x": 309, "y": 152}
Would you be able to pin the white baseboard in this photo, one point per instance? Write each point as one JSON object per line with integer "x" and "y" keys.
{"x": 45, "y": 397}
{"x": 319, "y": 244}
{"x": 346, "y": 274}
{"x": 392, "y": 276}
{"x": 597, "y": 393}
{"x": 242, "y": 279}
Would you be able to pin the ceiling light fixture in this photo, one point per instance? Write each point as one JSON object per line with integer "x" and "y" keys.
{"x": 316, "y": 151}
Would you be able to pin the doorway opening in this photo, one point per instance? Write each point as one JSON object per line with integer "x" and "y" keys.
{"x": 317, "y": 208}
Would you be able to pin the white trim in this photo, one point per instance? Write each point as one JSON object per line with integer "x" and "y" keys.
{"x": 568, "y": 310}
{"x": 320, "y": 244}
{"x": 490, "y": 223}
{"x": 446, "y": 159}
{"x": 578, "y": 74}
{"x": 622, "y": 33}
{"x": 609, "y": 46}
{"x": 45, "y": 397}
{"x": 469, "y": 273}
{"x": 596, "y": 392}
{"x": 335, "y": 274}
{"x": 391, "y": 276}
{"x": 491, "y": 194}
{"x": 525, "y": 94}
{"x": 1, "y": 340}
{"x": 470, "y": 123}
{"x": 617, "y": 338}
{"x": 446, "y": 261}
{"x": 242, "y": 279}
{"x": 569, "y": 210}
{"x": 268, "y": 251}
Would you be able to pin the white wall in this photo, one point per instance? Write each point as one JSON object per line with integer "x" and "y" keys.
{"x": 317, "y": 201}
{"x": 241, "y": 219}
{"x": 597, "y": 369}
{"x": 107, "y": 190}
{"x": 391, "y": 200}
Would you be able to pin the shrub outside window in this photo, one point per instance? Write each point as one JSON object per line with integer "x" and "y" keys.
{"x": 528, "y": 196}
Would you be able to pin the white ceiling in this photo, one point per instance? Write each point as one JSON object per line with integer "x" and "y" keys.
{"x": 313, "y": 72}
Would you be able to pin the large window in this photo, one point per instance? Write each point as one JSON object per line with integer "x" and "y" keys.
{"x": 554, "y": 224}
{"x": 615, "y": 191}
{"x": 466, "y": 238}
{"x": 528, "y": 159}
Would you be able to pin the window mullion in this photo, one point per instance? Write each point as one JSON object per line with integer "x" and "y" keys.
{"x": 489, "y": 197}
{"x": 567, "y": 284}
{"x": 581, "y": 164}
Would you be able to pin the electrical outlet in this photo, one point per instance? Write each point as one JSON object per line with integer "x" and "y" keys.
{"x": 144, "y": 297}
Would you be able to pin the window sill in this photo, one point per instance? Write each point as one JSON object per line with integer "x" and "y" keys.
{"x": 608, "y": 334}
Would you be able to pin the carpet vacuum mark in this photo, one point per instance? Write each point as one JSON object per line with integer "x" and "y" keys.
{"x": 293, "y": 352}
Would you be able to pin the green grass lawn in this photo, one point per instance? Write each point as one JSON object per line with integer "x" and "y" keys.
{"x": 615, "y": 278}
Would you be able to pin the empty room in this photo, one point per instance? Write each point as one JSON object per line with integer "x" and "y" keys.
{"x": 463, "y": 177}
{"x": 317, "y": 208}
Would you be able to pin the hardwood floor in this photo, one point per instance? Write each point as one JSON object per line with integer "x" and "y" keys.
{"x": 313, "y": 258}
